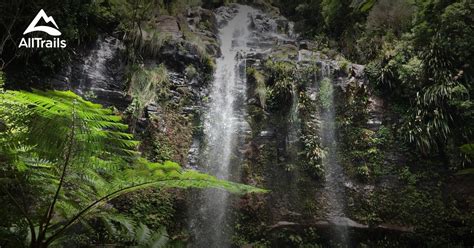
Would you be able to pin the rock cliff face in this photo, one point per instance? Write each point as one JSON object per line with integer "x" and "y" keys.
{"x": 98, "y": 72}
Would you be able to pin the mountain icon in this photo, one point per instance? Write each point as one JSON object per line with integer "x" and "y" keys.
{"x": 49, "y": 30}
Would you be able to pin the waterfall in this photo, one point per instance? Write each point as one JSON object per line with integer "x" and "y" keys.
{"x": 223, "y": 124}
{"x": 334, "y": 173}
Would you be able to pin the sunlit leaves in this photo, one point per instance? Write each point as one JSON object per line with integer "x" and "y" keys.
{"x": 78, "y": 145}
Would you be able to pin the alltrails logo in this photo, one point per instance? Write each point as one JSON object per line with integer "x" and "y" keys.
{"x": 40, "y": 42}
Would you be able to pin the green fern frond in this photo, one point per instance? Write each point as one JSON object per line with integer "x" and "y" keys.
{"x": 77, "y": 157}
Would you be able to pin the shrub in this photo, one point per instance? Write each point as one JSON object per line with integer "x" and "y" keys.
{"x": 394, "y": 15}
{"x": 147, "y": 86}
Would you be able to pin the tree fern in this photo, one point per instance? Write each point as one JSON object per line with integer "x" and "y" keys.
{"x": 74, "y": 156}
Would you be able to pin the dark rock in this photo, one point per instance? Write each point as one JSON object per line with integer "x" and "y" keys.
{"x": 303, "y": 44}
{"x": 97, "y": 73}
{"x": 341, "y": 222}
{"x": 3, "y": 126}
{"x": 168, "y": 26}
{"x": 357, "y": 70}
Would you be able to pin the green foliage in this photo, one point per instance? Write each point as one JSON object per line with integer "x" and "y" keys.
{"x": 332, "y": 10}
{"x": 426, "y": 72}
{"x": 408, "y": 205}
{"x": 281, "y": 84}
{"x": 190, "y": 72}
{"x": 325, "y": 95}
{"x": 306, "y": 238}
{"x": 390, "y": 15}
{"x": 365, "y": 151}
{"x": 145, "y": 238}
{"x": 74, "y": 156}
{"x": 313, "y": 151}
{"x": 147, "y": 86}
{"x": 168, "y": 137}
{"x": 306, "y": 14}
{"x": 280, "y": 70}
{"x": 198, "y": 42}
{"x": 136, "y": 19}
{"x": 343, "y": 64}
{"x": 468, "y": 149}
{"x": 260, "y": 86}
{"x": 2, "y": 81}
{"x": 445, "y": 80}
{"x": 151, "y": 207}
{"x": 364, "y": 6}
{"x": 147, "y": 40}
{"x": 178, "y": 7}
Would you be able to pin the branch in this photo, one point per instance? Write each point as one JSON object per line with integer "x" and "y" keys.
{"x": 67, "y": 159}
{"x": 111, "y": 196}
{"x": 8, "y": 36}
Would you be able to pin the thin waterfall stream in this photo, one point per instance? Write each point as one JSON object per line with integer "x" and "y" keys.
{"x": 334, "y": 173}
{"x": 223, "y": 123}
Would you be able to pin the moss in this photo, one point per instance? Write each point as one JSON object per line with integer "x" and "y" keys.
{"x": 151, "y": 207}
{"x": 190, "y": 72}
{"x": 261, "y": 90}
{"x": 168, "y": 137}
{"x": 285, "y": 52}
{"x": 409, "y": 191}
{"x": 364, "y": 152}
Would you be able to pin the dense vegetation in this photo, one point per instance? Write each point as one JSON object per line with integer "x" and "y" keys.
{"x": 73, "y": 172}
{"x": 418, "y": 55}
{"x": 64, "y": 159}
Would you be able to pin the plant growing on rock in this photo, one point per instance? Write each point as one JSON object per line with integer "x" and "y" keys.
{"x": 261, "y": 90}
{"x": 147, "y": 86}
{"x": 281, "y": 84}
{"x": 325, "y": 94}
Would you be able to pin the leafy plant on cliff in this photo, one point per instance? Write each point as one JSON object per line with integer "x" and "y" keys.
{"x": 147, "y": 85}
{"x": 281, "y": 84}
{"x": 260, "y": 86}
{"x": 429, "y": 72}
{"x": 63, "y": 159}
{"x": 312, "y": 153}
{"x": 326, "y": 94}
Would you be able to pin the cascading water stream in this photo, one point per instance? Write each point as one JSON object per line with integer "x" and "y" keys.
{"x": 223, "y": 123}
{"x": 334, "y": 174}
